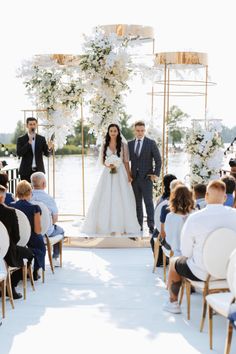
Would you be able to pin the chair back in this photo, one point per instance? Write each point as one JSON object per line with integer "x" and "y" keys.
{"x": 24, "y": 228}
{"x": 157, "y": 214}
{"x": 216, "y": 251}
{"x": 46, "y": 219}
{"x": 4, "y": 241}
{"x": 231, "y": 273}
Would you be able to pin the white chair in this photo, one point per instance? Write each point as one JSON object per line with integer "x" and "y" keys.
{"x": 46, "y": 222}
{"x": 216, "y": 251}
{"x": 157, "y": 214}
{"x": 24, "y": 232}
{"x": 221, "y": 303}
{"x": 4, "y": 245}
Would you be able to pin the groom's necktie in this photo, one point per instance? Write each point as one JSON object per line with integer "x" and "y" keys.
{"x": 137, "y": 150}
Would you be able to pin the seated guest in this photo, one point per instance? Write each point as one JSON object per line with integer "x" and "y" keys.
{"x": 15, "y": 254}
{"x": 199, "y": 192}
{"x": 162, "y": 200}
{"x": 181, "y": 205}
{"x": 230, "y": 183}
{"x": 194, "y": 233}
{"x": 165, "y": 209}
{"x": 39, "y": 194}
{"x": 4, "y": 182}
{"x": 33, "y": 213}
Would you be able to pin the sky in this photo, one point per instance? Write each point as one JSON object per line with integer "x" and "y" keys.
{"x": 48, "y": 26}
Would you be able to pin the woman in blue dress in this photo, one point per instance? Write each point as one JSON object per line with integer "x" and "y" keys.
{"x": 33, "y": 213}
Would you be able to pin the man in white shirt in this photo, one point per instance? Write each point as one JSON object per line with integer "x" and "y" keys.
{"x": 194, "y": 233}
{"x": 38, "y": 182}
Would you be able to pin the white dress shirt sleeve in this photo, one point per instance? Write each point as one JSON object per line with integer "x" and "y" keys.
{"x": 187, "y": 238}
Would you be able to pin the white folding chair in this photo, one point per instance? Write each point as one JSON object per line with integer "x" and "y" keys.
{"x": 46, "y": 222}
{"x": 25, "y": 232}
{"x": 216, "y": 251}
{"x": 157, "y": 214}
{"x": 221, "y": 302}
{"x": 4, "y": 245}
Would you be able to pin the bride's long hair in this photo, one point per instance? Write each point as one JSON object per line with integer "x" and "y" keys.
{"x": 108, "y": 138}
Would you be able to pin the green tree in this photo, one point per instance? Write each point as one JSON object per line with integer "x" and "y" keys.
{"x": 126, "y": 130}
{"x": 76, "y": 138}
{"x": 174, "y": 122}
{"x": 20, "y": 130}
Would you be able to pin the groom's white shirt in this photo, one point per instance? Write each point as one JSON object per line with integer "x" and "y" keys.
{"x": 141, "y": 144}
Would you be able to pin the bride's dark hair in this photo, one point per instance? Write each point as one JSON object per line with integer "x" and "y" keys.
{"x": 108, "y": 138}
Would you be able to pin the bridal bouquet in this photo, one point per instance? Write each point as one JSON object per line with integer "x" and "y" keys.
{"x": 115, "y": 161}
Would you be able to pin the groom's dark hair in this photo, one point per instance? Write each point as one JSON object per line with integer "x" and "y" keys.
{"x": 139, "y": 123}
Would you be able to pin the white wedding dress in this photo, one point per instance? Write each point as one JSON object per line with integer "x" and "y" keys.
{"x": 113, "y": 208}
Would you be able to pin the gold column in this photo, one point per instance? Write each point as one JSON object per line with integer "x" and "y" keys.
{"x": 82, "y": 141}
{"x": 164, "y": 127}
{"x": 206, "y": 93}
{"x": 166, "y": 119}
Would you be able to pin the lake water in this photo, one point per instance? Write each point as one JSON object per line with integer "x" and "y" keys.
{"x": 68, "y": 177}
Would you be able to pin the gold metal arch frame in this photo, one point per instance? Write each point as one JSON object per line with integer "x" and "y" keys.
{"x": 168, "y": 61}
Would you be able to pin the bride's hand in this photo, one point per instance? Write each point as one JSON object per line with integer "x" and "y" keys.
{"x": 111, "y": 166}
{"x": 130, "y": 179}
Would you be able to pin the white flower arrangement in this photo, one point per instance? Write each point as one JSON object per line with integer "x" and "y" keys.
{"x": 56, "y": 89}
{"x": 206, "y": 153}
{"x": 113, "y": 160}
{"x": 106, "y": 70}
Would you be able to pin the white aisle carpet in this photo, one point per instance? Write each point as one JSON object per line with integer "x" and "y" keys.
{"x": 105, "y": 301}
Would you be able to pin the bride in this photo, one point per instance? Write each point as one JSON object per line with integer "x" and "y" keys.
{"x": 112, "y": 209}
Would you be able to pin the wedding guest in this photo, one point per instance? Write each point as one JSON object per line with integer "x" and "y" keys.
{"x": 15, "y": 254}
{"x": 181, "y": 205}
{"x": 165, "y": 209}
{"x": 33, "y": 213}
{"x": 31, "y": 147}
{"x": 199, "y": 192}
{"x": 230, "y": 183}
{"x": 162, "y": 200}
{"x": 194, "y": 233}
{"x": 4, "y": 182}
{"x": 39, "y": 194}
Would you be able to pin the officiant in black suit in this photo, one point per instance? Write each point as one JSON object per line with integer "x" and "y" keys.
{"x": 31, "y": 147}
{"x": 145, "y": 168}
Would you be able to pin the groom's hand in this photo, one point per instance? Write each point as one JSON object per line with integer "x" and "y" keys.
{"x": 153, "y": 178}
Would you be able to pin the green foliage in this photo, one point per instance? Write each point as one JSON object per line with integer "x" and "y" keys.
{"x": 126, "y": 130}
{"x": 20, "y": 130}
{"x": 175, "y": 119}
{"x": 11, "y": 149}
{"x": 76, "y": 139}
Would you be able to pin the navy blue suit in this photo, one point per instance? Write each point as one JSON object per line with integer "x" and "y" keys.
{"x": 142, "y": 166}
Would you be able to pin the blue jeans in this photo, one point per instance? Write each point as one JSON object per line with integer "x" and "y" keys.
{"x": 58, "y": 230}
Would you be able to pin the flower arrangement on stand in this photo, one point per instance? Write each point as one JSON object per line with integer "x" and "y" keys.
{"x": 106, "y": 69}
{"x": 206, "y": 153}
{"x": 59, "y": 91}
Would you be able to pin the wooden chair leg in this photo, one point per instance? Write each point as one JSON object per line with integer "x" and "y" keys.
{"x": 228, "y": 338}
{"x": 156, "y": 253}
{"x": 188, "y": 297}
{"x": 181, "y": 295}
{"x": 204, "y": 309}
{"x": 164, "y": 266}
{"x": 49, "y": 247}
{"x": 24, "y": 279}
{"x": 43, "y": 276}
{"x": 210, "y": 325}
{"x": 3, "y": 292}
{"x": 9, "y": 289}
{"x": 30, "y": 272}
{"x": 60, "y": 252}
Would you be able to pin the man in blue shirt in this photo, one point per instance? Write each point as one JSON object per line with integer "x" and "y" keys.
{"x": 39, "y": 194}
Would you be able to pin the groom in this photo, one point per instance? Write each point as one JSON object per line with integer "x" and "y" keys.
{"x": 143, "y": 152}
